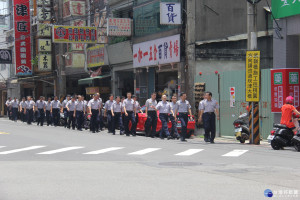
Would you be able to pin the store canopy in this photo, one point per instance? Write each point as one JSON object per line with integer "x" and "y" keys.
{"x": 87, "y": 81}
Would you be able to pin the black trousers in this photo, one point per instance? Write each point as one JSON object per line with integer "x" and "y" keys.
{"x": 164, "y": 118}
{"x": 183, "y": 117}
{"x": 109, "y": 120}
{"x": 56, "y": 116}
{"x": 117, "y": 120}
{"x": 174, "y": 131}
{"x": 15, "y": 114}
{"x": 72, "y": 119}
{"x": 94, "y": 120}
{"x": 66, "y": 115}
{"x": 80, "y": 119}
{"x": 131, "y": 118}
{"x": 48, "y": 117}
{"x": 29, "y": 113}
{"x": 41, "y": 116}
{"x": 209, "y": 123}
{"x": 151, "y": 123}
{"x": 23, "y": 116}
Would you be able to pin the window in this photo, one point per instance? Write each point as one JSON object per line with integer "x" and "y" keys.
{"x": 146, "y": 18}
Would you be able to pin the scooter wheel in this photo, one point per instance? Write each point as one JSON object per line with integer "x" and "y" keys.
{"x": 275, "y": 145}
{"x": 297, "y": 147}
{"x": 242, "y": 141}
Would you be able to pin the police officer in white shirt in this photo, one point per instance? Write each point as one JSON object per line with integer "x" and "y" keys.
{"x": 151, "y": 114}
{"x": 80, "y": 107}
{"x": 137, "y": 109}
{"x": 65, "y": 110}
{"x": 14, "y": 108}
{"x": 41, "y": 108}
{"x": 94, "y": 109}
{"x": 22, "y": 107}
{"x": 107, "y": 112}
{"x": 208, "y": 109}
{"x": 30, "y": 105}
{"x": 183, "y": 108}
{"x": 71, "y": 112}
{"x": 116, "y": 111}
{"x": 55, "y": 110}
{"x": 8, "y": 107}
{"x": 129, "y": 110}
{"x": 164, "y": 109}
{"x": 100, "y": 116}
{"x": 48, "y": 111}
{"x": 173, "y": 119}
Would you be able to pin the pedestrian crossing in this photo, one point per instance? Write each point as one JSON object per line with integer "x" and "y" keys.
{"x": 123, "y": 150}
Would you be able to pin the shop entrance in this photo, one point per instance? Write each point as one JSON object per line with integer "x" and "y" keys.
{"x": 166, "y": 83}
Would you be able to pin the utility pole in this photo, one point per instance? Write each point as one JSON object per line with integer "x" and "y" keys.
{"x": 251, "y": 46}
{"x": 190, "y": 68}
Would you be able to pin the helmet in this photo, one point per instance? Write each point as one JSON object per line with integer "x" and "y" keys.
{"x": 289, "y": 100}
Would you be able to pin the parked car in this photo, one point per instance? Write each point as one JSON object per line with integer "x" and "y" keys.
{"x": 142, "y": 120}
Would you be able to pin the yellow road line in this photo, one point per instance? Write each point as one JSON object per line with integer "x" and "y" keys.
{"x": 3, "y": 133}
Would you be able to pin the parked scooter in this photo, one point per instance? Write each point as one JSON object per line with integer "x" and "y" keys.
{"x": 281, "y": 136}
{"x": 241, "y": 126}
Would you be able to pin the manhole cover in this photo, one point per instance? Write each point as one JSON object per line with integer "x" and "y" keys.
{"x": 180, "y": 164}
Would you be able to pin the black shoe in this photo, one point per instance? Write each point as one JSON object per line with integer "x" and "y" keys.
{"x": 170, "y": 137}
{"x": 212, "y": 142}
{"x": 127, "y": 135}
{"x": 93, "y": 131}
{"x": 162, "y": 138}
{"x": 97, "y": 131}
{"x": 79, "y": 129}
{"x": 113, "y": 133}
{"x": 183, "y": 140}
{"x": 121, "y": 133}
{"x": 152, "y": 136}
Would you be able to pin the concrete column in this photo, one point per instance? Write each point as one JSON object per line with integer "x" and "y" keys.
{"x": 190, "y": 51}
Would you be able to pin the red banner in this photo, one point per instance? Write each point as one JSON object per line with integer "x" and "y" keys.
{"x": 284, "y": 82}
{"x": 22, "y": 37}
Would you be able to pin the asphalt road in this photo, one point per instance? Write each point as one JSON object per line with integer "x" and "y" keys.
{"x": 57, "y": 163}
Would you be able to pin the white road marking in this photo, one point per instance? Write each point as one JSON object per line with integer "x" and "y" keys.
{"x": 104, "y": 150}
{"x": 189, "y": 152}
{"x": 2, "y": 146}
{"x": 235, "y": 153}
{"x": 19, "y": 150}
{"x": 60, "y": 150}
{"x": 144, "y": 151}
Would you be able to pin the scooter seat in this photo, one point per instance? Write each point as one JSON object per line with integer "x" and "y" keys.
{"x": 280, "y": 126}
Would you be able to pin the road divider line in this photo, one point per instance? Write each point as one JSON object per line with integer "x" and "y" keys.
{"x": 235, "y": 153}
{"x": 144, "y": 151}
{"x": 101, "y": 151}
{"x": 189, "y": 152}
{"x": 60, "y": 150}
{"x": 20, "y": 150}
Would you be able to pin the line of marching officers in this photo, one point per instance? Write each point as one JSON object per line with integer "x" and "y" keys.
{"x": 120, "y": 112}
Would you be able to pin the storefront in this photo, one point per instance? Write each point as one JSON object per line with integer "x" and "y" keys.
{"x": 157, "y": 65}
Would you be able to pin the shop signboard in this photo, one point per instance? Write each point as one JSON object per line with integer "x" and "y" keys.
{"x": 157, "y": 52}
{"x": 73, "y": 8}
{"x": 119, "y": 27}
{"x": 170, "y": 13}
{"x": 5, "y": 56}
{"x": 22, "y": 37}
{"x": 74, "y": 34}
{"x": 284, "y": 82}
{"x": 44, "y": 30}
{"x": 45, "y": 62}
{"x": 44, "y": 13}
{"x": 95, "y": 56}
{"x": 44, "y": 45}
{"x": 232, "y": 96}
{"x": 78, "y": 46}
{"x": 285, "y": 8}
{"x": 43, "y": 2}
{"x": 92, "y": 90}
{"x": 252, "y": 76}
{"x": 75, "y": 60}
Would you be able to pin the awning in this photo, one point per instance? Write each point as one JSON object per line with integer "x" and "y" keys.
{"x": 87, "y": 81}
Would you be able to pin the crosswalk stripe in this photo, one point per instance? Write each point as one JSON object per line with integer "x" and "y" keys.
{"x": 101, "y": 151}
{"x": 235, "y": 153}
{"x": 2, "y": 147}
{"x": 60, "y": 150}
{"x": 189, "y": 152}
{"x": 144, "y": 151}
{"x": 19, "y": 150}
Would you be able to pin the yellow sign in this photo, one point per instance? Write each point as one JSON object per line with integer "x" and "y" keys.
{"x": 45, "y": 45}
{"x": 95, "y": 56}
{"x": 92, "y": 90}
{"x": 252, "y": 76}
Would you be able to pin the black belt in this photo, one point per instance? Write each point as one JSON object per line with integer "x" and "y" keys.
{"x": 55, "y": 108}
{"x": 129, "y": 110}
{"x": 95, "y": 109}
{"x": 209, "y": 113}
{"x": 117, "y": 112}
{"x": 164, "y": 113}
{"x": 151, "y": 111}
{"x": 183, "y": 113}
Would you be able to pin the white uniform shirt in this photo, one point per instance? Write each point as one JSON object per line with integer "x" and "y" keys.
{"x": 71, "y": 105}
{"x": 94, "y": 104}
{"x": 129, "y": 105}
{"x": 14, "y": 104}
{"x": 56, "y": 104}
{"x": 40, "y": 104}
{"x": 30, "y": 104}
{"x": 150, "y": 103}
{"x": 164, "y": 107}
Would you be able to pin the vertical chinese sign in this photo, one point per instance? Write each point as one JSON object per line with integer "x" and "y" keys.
{"x": 284, "y": 82}
{"x": 252, "y": 76}
{"x": 170, "y": 13}
{"x": 22, "y": 38}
